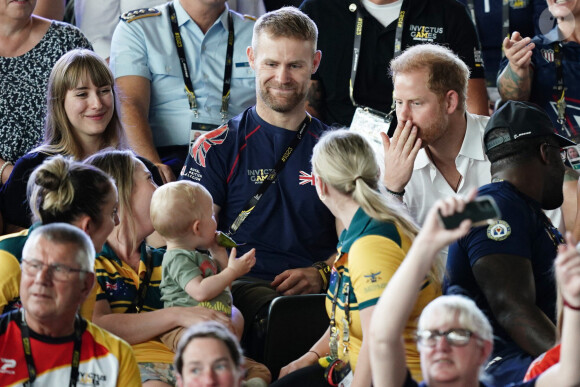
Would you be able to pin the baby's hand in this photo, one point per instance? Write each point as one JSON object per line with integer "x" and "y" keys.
{"x": 243, "y": 264}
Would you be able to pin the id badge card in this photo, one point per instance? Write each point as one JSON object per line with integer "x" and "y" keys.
{"x": 197, "y": 129}
{"x": 370, "y": 123}
{"x": 347, "y": 381}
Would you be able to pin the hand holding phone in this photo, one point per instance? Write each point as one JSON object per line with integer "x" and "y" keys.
{"x": 481, "y": 210}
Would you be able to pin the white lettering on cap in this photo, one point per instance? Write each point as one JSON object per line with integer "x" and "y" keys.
{"x": 521, "y": 134}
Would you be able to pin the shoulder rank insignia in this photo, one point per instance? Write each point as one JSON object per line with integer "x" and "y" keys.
{"x": 250, "y": 17}
{"x": 139, "y": 13}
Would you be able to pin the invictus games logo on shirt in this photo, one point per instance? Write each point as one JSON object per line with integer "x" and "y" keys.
{"x": 259, "y": 175}
{"x": 425, "y": 33}
{"x": 92, "y": 378}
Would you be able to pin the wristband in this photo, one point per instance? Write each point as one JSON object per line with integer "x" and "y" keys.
{"x": 324, "y": 271}
{"x": 567, "y": 304}
{"x": 314, "y": 352}
{"x": 394, "y": 193}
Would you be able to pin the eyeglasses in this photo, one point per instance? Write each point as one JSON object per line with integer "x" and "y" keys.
{"x": 57, "y": 271}
{"x": 456, "y": 337}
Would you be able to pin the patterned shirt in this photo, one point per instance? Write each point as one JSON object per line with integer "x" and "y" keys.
{"x": 23, "y": 86}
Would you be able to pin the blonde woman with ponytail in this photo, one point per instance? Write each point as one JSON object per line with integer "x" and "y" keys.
{"x": 378, "y": 233}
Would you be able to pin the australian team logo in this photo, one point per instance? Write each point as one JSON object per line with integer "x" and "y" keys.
{"x": 499, "y": 230}
{"x": 373, "y": 277}
{"x": 204, "y": 143}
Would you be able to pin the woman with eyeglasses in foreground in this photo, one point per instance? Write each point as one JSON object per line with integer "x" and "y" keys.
{"x": 454, "y": 337}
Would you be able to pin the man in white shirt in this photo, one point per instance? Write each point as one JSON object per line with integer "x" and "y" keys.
{"x": 437, "y": 149}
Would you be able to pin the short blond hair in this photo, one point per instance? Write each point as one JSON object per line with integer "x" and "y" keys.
{"x": 286, "y": 22}
{"x": 178, "y": 197}
{"x": 446, "y": 71}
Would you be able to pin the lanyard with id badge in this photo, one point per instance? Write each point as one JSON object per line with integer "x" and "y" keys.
{"x": 199, "y": 128}
{"x": 339, "y": 372}
{"x": 367, "y": 121}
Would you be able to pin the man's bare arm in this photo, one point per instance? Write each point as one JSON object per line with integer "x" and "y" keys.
{"x": 507, "y": 282}
{"x": 515, "y": 81}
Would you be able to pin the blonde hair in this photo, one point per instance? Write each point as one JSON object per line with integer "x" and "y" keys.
{"x": 61, "y": 190}
{"x": 346, "y": 161}
{"x": 445, "y": 70}
{"x": 286, "y": 22}
{"x": 120, "y": 165}
{"x": 59, "y": 135}
{"x": 181, "y": 197}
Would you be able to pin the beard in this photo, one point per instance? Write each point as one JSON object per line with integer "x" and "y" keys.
{"x": 553, "y": 193}
{"x": 434, "y": 130}
{"x": 285, "y": 103}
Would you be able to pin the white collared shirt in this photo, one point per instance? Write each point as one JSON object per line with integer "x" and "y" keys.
{"x": 427, "y": 184}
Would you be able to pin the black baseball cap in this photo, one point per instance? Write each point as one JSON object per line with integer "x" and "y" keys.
{"x": 523, "y": 120}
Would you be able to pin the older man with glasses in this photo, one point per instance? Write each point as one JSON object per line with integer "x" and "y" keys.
{"x": 46, "y": 342}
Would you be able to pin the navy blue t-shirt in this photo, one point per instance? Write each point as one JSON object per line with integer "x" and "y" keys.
{"x": 524, "y": 17}
{"x": 522, "y": 231}
{"x": 289, "y": 227}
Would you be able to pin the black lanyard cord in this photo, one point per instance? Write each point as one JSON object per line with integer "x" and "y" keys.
{"x": 76, "y": 357}
{"x": 560, "y": 87}
{"x": 505, "y": 18}
{"x": 185, "y": 70}
{"x": 137, "y": 303}
{"x": 251, "y": 204}
{"x": 358, "y": 28}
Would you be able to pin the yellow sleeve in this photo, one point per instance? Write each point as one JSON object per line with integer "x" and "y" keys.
{"x": 373, "y": 260}
{"x": 89, "y": 304}
{"x": 9, "y": 279}
{"x": 129, "y": 374}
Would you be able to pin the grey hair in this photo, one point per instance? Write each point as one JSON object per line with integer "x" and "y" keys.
{"x": 64, "y": 233}
{"x": 468, "y": 315}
